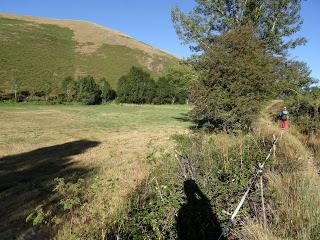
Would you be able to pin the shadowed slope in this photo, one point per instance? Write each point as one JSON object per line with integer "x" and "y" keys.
{"x": 26, "y": 181}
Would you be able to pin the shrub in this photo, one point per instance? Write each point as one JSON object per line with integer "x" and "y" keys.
{"x": 107, "y": 93}
{"x": 1, "y": 95}
{"x": 6, "y": 96}
{"x": 18, "y": 96}
{"x": 88, "y": 91}
{"x": 47, "y": 89}
{"x": 69, "y": 89}
{"x": 173, "y": 86}
{"x": 304, "y": 111}
{"x": 39, "y": 94}
{"x": 164, "y": 91}
{"x": 136, "y": 87}
{"x": 23, "y": 96}
{"x": 71, "y": 197}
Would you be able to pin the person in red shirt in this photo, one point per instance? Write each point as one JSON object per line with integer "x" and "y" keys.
{"x": 284, "y": 116}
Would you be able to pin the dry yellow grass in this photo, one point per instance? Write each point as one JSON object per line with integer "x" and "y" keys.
{"x": 114, "y": 141}
{"x": 295, "y": 183}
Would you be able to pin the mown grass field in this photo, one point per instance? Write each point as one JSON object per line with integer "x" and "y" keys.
{"x": 41, "y": 142}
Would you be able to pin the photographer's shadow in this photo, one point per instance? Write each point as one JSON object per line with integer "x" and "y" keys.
{"x": 196, "y": 220}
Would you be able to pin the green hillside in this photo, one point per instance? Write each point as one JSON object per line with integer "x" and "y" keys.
{"x": 35, "y": 50}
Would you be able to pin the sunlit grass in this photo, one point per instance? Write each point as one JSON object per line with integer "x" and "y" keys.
{"x": 108, "y": 145}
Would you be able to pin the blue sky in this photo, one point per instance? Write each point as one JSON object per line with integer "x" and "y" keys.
{"x": 149, "y": 21}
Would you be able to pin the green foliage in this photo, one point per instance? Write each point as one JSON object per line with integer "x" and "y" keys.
{"x": 304, "y": 110}
{"x": 88, "y": 91}
{"x": 273, "y": 21}
{"x": 70, "y": 193}
{"x": 298, "y": 76}
{"x": 164, "y": 91}
{"x": 221, "y": 169}
{"x": 69, "y": 87}
{"x": 39, "y": 216}
{"x": 136, "y": 87}
{"x": 107, "y": 93}
{"x": 70, "y": 197}
{"x": 242, "y": 48}
{"x": 173, "y": 86}
{"x": 237, "y": 77}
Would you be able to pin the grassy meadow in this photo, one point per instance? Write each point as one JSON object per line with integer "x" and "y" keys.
{"x": 111, "y": 143}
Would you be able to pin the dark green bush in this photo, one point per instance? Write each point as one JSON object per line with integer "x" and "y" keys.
{"x": 164, "y": 91}
{"x": 23, "y": 96}
{"x": 136, "y": 87}
{"x": 304, "y": 110}
{"x": 107, "y": 93}
{"x": 173, "y": 86}
{"x": 40, "y": 94}
{"x": 69, "y": 89}
{"x": 88, "y": 91}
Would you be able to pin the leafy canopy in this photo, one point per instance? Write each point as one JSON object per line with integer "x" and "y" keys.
{"x": 173, "y": 86}
{"x": 273, "y": 21}
{"x": 237, "y": 76}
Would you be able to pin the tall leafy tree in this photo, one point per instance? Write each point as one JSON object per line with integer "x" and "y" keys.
{"x": 298, "y": 75}
{"x": 241, "y": 48}
{"x": 173, "y": 86}
{"x": 165, "y": 92}
{"x": 237, "y": 76}
{"x": 136, "y": 87}
{"x": 273, "y": 21}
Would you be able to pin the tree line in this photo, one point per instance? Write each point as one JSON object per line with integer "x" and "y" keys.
{"x": 241, "y": 56}
{"x": 137, "y": 86}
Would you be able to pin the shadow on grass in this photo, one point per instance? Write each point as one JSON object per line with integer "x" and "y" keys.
{"x": 26, "y": 181}
{"x": 184, "y": 117}
{"x": 196, "y": 220}
{"x": 204, "y": 125}
{"x": 196, "y": 126}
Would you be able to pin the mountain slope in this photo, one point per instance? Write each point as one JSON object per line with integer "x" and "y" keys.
{"x": 36, "y": 50}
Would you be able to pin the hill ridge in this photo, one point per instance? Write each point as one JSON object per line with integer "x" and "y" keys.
{"x": 37, "y": 50}
{"x": 80, "y": 37}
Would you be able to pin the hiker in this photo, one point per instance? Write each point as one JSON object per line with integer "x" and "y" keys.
{"x": 284, "y": 115}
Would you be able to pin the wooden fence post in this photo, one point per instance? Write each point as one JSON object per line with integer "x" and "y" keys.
{"x": 262, "y": 203}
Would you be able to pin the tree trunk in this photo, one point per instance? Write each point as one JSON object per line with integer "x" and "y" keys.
{"x": 15, "y": 94}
